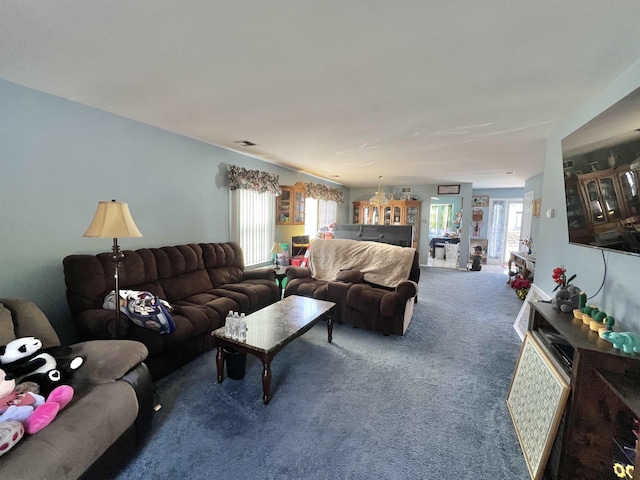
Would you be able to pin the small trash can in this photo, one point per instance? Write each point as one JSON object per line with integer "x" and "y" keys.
{"x": 440, "y": 252}
{"x": 236, "y": 363}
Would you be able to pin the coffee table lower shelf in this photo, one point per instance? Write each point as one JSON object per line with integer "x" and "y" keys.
{"x": 269, "y": 330}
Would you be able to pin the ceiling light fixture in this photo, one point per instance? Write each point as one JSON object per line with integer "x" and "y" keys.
{"x": 379, "y": 198}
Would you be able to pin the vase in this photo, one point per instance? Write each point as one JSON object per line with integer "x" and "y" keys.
{"x": 529, "y": 251}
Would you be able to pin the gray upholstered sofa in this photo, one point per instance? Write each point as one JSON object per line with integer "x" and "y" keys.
{"x": 107, "y": 419}
{"x": 374, "y": 285}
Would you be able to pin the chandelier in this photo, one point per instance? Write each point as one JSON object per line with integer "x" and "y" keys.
{"x": 379, "y": 198}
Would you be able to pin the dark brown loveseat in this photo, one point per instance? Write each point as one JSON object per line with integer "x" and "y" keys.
{"x": 202, "y": 282}
{"x": 354, "y": 275}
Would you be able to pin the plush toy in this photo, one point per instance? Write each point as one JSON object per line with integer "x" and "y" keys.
{"x": 24, "y": 359}
{"x": 22, "y": 411}
{"x": 567, "y": 299}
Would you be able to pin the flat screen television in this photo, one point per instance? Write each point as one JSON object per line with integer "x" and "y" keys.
{"x": 601, "y": 163}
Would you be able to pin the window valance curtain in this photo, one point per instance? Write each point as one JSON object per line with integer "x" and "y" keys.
{"x": 241, "y": 178}
{"x": 322, "y": 192}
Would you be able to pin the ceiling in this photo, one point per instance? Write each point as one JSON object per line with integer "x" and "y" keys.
{"x": 418, "y": 92}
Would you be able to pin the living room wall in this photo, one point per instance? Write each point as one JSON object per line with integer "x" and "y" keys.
{"x": 59, "y": 158}
{"x": 619, "y": 294}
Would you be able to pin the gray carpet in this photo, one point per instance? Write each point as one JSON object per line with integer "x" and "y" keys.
{"x": 429, "y": 405}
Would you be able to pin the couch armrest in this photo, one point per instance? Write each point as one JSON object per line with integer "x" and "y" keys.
{"x": 407, "y": 290}
{"x": 403, "y": 292}
{"x": 298, "y": 272}
{"x": 266, "y": 273}
{"x": 106, "y": 360}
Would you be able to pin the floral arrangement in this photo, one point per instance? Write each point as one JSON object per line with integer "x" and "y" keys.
{"x": 521, "y": 286}
{"x": 527, "y": 242}
{"x": 559, "y": 276}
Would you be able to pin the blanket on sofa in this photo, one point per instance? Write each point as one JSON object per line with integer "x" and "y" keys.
{"x": 380, "y": 263}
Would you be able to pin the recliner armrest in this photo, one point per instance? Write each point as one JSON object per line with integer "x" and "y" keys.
{"x": 106, "y": 361}
{"x": 406, "y": 290}
{"x": 265, "y": 273}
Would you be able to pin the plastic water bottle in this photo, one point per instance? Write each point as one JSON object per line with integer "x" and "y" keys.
{"x": 228, "y": 328}
{"x": 235, "y": 332}
{"x": 242, "y": 326}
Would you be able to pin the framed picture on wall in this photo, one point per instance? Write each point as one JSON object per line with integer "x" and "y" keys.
{"x": 537, "y": 203}
{"x": 448, "y": 189}
{"x": 480, "y": 201}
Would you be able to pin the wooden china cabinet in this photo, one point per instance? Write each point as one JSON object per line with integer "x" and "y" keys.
{"x": 290, "y": 205}
{"x": 396, "y": 212}
{"x": 598, "y": 201}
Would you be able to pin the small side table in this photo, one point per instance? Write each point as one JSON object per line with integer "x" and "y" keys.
{"x": 281, "y": 278}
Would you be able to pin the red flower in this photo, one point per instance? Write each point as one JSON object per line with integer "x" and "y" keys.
{"x": 559, "y": 276}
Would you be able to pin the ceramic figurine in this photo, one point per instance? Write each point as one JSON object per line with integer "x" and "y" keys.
{"x": 628, "y": 342}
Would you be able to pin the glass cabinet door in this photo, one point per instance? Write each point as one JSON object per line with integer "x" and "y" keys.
{"x": 396, "y": 215}
{"x": 575, "y": 210}
{"x": 284, "y": 206}
{"x": 356, "y": 214}
{"x": 365, "y": 215}
{"x": 595, "y": 206}
{"x": 630, "y": 194}
{"x": 610, "y": 199}
{"x": 298, "y": 213}
{"x": 387, "y": 215}
{"x": 375, "y": 216}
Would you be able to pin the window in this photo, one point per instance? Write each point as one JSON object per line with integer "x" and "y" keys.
{"x": 440, "y": 219}
{"x": 319, "y": 214}
{"x": 253, "y": 224}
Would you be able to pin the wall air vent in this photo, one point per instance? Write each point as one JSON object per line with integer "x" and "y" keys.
{"x": 245, "y": 143}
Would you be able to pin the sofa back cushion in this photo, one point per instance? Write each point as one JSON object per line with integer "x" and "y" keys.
{"x": 89, "y": 278}
{"x": 181, "y": 271}
{"x": 224, "y": 262}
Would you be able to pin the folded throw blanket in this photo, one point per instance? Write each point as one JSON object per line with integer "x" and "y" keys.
{"x": 144, "y": 309}
{"x": 380, "y": 263}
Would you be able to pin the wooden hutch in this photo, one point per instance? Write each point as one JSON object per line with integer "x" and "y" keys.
{"x": 290, "y": 205}
{"x": 396, "y": 212}
{"x": 597, "y": 202}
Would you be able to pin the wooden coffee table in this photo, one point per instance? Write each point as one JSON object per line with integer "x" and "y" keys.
{"x": 270, "y": 329}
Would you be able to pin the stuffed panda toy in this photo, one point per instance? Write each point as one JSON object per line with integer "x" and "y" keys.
{"x": 24, "y": 360}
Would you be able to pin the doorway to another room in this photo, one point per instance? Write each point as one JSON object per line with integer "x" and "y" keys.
{"x": 506, "y": 222}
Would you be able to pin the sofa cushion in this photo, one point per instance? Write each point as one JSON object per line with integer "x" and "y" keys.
{"x": 224, "y": 262}
{"x": 181, "y": 271}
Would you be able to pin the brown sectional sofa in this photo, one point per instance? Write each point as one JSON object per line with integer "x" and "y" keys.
{"x": 201, "y": 281}
{"x": 109, "y": 416}
{"x": 360, "y": 302}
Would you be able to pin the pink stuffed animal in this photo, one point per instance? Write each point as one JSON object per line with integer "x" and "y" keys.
{"x": 30, "y": 410}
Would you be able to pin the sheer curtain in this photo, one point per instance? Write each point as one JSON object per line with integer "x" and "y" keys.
{"x": 253, "y": 219}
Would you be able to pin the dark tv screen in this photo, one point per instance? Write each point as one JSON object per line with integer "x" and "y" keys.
{"x": 601, "y": 164}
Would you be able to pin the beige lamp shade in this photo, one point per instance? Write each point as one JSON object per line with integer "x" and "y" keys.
{"x": 277, "y": 248}
{"x": 112, "y": 220}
